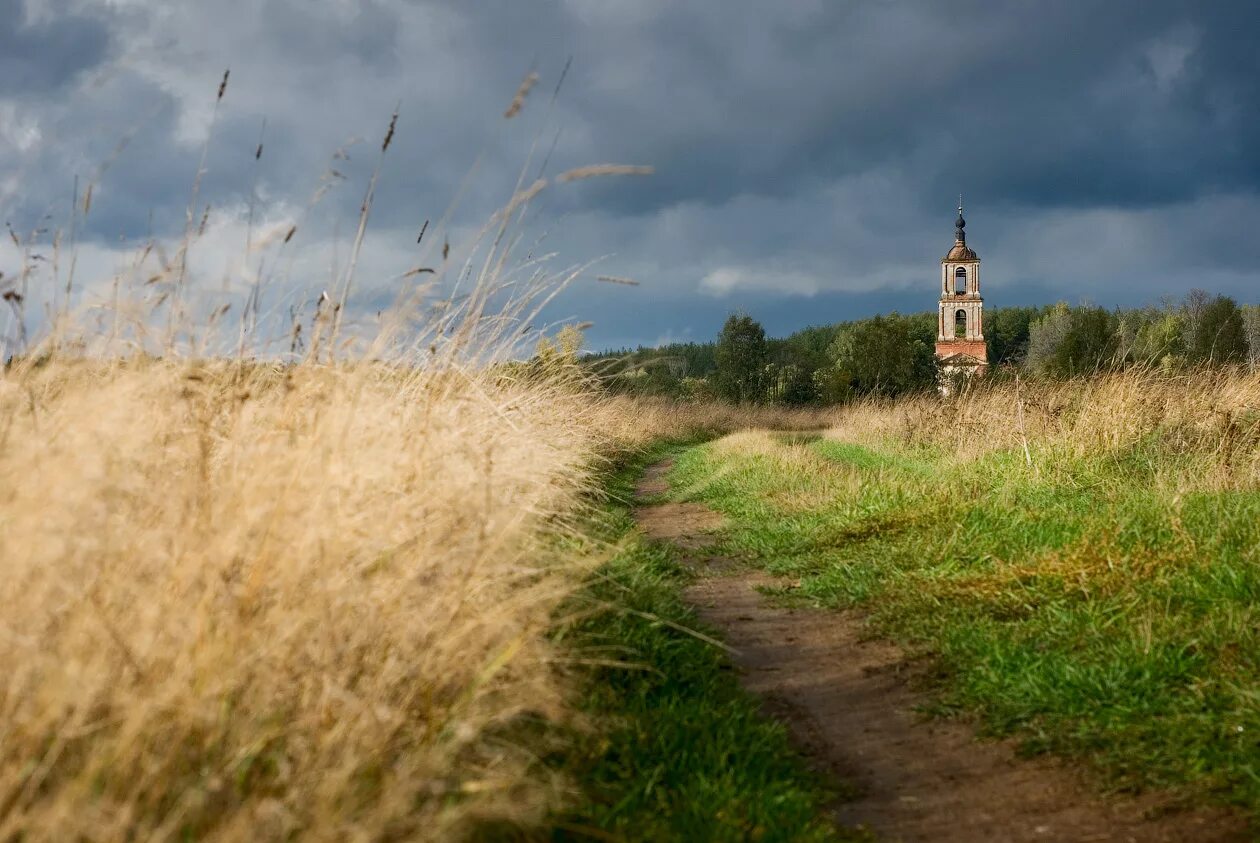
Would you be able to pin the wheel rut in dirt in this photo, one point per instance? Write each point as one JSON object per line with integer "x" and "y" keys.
{"x": 850, "y": 706}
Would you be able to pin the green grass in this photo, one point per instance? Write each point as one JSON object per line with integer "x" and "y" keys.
{"x": 677, "y": 750}
{"x": 1088, "y": 609}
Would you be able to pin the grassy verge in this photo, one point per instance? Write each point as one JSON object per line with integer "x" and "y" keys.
{"x": 1102, "y": 606}
{"x": 678, "y": 750}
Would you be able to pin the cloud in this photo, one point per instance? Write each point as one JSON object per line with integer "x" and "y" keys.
{"x": 18, "y": 129}
{"x": 807, "y": 156}
{"x": 724, "y": 280}
{"x": 40, "y": 55}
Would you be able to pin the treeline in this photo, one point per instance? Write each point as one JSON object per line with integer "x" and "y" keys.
{"x": 894, "y": 354}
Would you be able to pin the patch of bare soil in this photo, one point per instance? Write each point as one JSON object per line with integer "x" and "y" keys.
{"x": 688, "y": 525}
{"x": 851, "y": 709}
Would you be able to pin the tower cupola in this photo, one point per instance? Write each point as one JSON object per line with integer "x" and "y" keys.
{"x": 960, "y": 252}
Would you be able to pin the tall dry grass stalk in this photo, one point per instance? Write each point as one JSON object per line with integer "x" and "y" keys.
{"x": 1213, "y": 414}
{"x": 243, "y": 603}
{"x": 248, "y": 601}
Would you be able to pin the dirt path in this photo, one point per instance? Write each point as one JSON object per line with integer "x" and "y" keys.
{"x": 850, "y": 709}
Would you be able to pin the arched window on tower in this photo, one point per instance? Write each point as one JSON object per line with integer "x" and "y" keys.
{"x": 960, "y": 324}
{"x": 960, "y": 280}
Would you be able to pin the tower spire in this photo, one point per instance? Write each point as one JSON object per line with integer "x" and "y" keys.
{"x": 960, "y": 236}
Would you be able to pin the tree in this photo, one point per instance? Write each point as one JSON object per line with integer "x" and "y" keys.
{"x": 1045, "y": 335}
{"x": 887, "y": 355}
{"x": 1158, "y": 338}
{"x": 1192, "y": 308}
{"x": 741, "y": 359}
{"x": 796, "y": 385}
{"x": 832, "y": 385}
{"x": 1219, "y": 334}
{"x": 789, "y": 383}
{"x": 1251, "y": 323}
{"x": 1090, "y": 344}
{"x": 1072, "y": 341}
{"x": 1007, "y": 331}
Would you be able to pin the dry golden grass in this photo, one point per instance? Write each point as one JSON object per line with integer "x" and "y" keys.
{"x": 640, "y": 421}
{"x": 244, "y": 601}
{"x": 248, "y": 604}
{"x": 1213, "y": 414}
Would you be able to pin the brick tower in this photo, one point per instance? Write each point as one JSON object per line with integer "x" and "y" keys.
{"x": 960, "y": 345}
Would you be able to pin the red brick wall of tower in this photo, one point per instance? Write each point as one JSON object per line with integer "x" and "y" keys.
{"x": 975, "y": 348}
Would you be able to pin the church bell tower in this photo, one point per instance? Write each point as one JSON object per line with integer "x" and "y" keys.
{"x": 960, "y": 345}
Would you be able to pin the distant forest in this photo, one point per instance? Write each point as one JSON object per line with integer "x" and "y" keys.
{"x": 894, "y": 354}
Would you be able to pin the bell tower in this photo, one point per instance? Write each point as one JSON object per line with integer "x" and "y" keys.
{"x": 960, "y": 345}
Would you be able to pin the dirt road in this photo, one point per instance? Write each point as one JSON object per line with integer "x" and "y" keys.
{"x": 850, "y": 706}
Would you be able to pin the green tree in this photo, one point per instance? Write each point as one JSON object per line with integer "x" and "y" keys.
{"x": 789, "y": 383}
{"x": 1006, "y": 329}
{"x": 1073, "y": 341}
{"x": 1159, "y": 339}
{"x": 1219, "y": 333}
{"x": 741, "y": 359}
{"x": 887, "y": 355}
{"x": 1090, "y": 343}
{"x": 832, "y": 385}
{"x": 1045, "y": 335}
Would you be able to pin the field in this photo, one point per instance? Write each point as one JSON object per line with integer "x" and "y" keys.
{"x": 253, "y": 602}
{"x": 1076, "y": 561}
{"x": 356, "y": 601}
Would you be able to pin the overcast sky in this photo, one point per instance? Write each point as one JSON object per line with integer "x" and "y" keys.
{"x": 808, "y": 154}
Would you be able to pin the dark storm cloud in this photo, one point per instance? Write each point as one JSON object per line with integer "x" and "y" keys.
{"x": 38, "y": 58}
{"x": 1063, "y": 103}
{"x": 808, "y": 153}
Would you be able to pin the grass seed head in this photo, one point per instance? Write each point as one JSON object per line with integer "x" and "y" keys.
{"x": 518, "y": 101}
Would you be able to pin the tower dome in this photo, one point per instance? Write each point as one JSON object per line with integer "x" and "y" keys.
{"x": 960, "y": 251}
